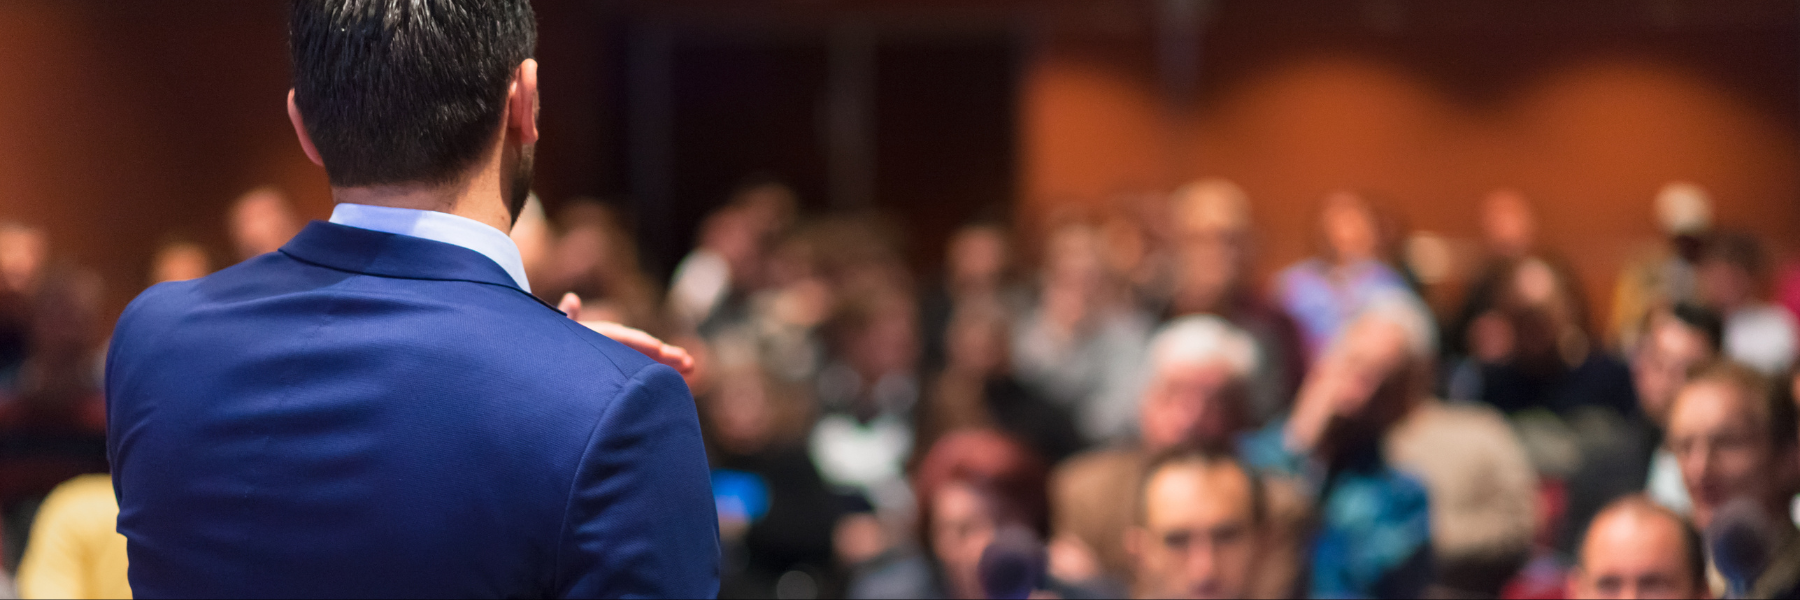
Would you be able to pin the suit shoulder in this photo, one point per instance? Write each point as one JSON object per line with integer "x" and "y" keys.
{"x": 556, "y": 335}
{"x": 160, "y": 303}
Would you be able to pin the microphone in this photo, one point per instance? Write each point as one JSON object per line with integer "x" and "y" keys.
{"x": 1013, "y": 565}
{"x": 1740, "y": 544}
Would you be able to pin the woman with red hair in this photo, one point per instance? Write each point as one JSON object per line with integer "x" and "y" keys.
{"x": 976, "y": 489}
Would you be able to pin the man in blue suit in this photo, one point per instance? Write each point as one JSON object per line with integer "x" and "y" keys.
{"x": 381, "y": 408}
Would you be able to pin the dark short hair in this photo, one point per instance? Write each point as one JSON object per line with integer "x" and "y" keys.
{"x": 405, "y": 91}
{"x": 1199, "y": 456}
{"x": 1705, "y": 320}
{"x": 1736, "y": 248}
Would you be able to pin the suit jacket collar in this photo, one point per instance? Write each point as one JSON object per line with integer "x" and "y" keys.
{"x": 382, "y": 254}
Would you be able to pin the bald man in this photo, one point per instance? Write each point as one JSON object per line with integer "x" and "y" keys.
{"x": 1637, "y": 549}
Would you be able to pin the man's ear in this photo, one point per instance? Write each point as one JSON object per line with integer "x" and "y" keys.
{"x": 306, "y": 143}
{"x": 522, "y": 103}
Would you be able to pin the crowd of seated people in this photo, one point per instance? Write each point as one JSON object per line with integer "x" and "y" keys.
{"x": 1131, "y": 413}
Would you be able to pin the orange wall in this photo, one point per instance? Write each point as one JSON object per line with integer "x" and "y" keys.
{"x": 1589, "y": 134}
{"x": 123, "y": 123}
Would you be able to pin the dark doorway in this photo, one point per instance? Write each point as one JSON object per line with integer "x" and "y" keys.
{"x": 919, "y": 126}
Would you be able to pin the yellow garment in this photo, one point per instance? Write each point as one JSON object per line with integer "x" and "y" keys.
{"x": 75, "y": 549}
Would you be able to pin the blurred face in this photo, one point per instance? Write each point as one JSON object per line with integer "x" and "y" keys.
{"x": 180, "y": 263}
{"x": 977, "y": 345}
{"x": 1634, "y": 554}
{"x": 1073, "y": 257}
{"x": 1663, "y": 361}
{"x": 889, "y": 344}
{"x": 742, "y": 415}
{"x": 1125, "y": 245}
{"x": 579, "y": 254}
{"x": 1349, "y": 228}
{"x": 261, "y": 223}
{"x": 1507, "y": 223}
{"x": 1724, "y": 286}
{"x": 962, "y": 526}
{"x": 1199, "y": 538}
{"x": 1364, "y": 381}
{"x": 1210, "y": 261}
{"x": 22, "y": 255}
{"x": 768, "y": 208}
{"x": 732, "y": 234}
{"x": 1074, "y": 274}
{"x": 1722, "y": 451}
{"x": 977, "y": 256}
{"x": 1189, "y": 403}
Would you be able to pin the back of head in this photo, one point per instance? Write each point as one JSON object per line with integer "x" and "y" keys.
{"x": 405, "y": 91}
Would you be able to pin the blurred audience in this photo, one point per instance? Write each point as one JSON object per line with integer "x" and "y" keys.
{"x": 867, "y": 396}
{"x": 728, "y": 263}
{"x": 1483, "y": 492}
{"x": 776, "y": 513}
{"x": 978, "y": 269}
{"x": 976, "y": 388}
{"x": 24, "y": 256}
{"x": 1532, "y": 357}
{"x": 1508, "y": 235}
{"x": 594, "y": 258}
{"x": 1213, "y": 257}
{"x": 1664, "y": 276}
{"x": 1128, "y": 413}
{"x": 1637, "y": 549}
{"x": 1195, "y": 394}
{"x": 1673, "y": 343}
{"x": 51, "y": 319}
{"x": 1532, "y": 350}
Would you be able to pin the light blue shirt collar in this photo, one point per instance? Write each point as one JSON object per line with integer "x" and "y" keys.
{"x": 438, "y": 227}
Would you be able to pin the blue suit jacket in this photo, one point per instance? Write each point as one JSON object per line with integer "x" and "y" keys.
{"x": 369, "y": 414}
